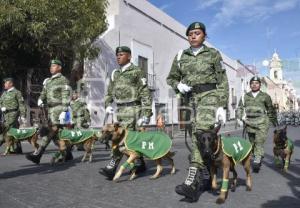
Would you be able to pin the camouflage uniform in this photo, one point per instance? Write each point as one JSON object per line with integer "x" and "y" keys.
{"x": 80, "y": 114}
{"x": 259, "y": 112}
{"x": 208, "y": 79}
{"x": 13, "y": 101}
{"x": 133, "y": 100}
{"x": 56, "y": 95}
{"x": 129, "y": 90}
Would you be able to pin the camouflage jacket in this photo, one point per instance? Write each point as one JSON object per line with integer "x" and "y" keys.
{"x": 129, "y": 86}
{"x": 204, "y": 68}
{"x": 258, "y": 110}
{"x": 56, "y": 92}
{"x": 80, "y": 113}
{"x": 13, "y": 100}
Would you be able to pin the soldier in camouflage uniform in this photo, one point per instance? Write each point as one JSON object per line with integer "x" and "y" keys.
{"x": 56, "y": 95}
{"x": 80, "y": 113}
{"x": 256, "y": 110}
{"x": 198, "y": 75}
{"x": 12, "y": 107}
{"x": 128, "y": 89}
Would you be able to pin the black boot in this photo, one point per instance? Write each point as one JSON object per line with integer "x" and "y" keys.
{"x": 193, "y": 186}
{"x": 69, "y": 155}
{"x": 36, "y": 158}
{"x": 18, "y": 149}
{"x": 256, "y": 164}
{"x": 110, "y": 170}
{"x": 140, "y": 165}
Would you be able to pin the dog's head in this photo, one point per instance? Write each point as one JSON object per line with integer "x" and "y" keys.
{"x": 207, "y": 141}
{"x": 113, "y": 132}
{"x": 280, "y": 137}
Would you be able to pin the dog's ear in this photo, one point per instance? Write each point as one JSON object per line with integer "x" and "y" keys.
{"x": 217, "y": 128}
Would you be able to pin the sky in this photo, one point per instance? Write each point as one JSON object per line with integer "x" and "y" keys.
{"x": 248, "y": 30}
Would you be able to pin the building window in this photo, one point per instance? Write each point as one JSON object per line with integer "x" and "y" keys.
{"x": 275, "y": 75}
{"x": 143, "y": 63}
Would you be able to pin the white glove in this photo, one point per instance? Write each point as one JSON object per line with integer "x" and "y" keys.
{"x": 40, "y": 103}
{"x": 221, "y": 115}
{"x": 109, "y": 110}
{"x": 183, "y": 88}
{"x": 143, "y": 120}
{"x": 240, "y": 122}
{"x": 23, "y": 120}
{"x": 62, "y": 117}
{"x": 3, "y": 109}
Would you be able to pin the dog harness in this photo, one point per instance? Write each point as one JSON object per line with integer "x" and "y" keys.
{"x": 21, "y": 134}
{"x": 236, "y": 148}
{"x": 151, "y": 144}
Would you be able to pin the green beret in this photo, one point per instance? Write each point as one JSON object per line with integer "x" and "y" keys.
{"x": 7, "y": 79}
{"x": 56, "y": 61}
{"x": 255, "y": 78}
{"x": 123, "y": 49}
{"x": 195, "y": 25}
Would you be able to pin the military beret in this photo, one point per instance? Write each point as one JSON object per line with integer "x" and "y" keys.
{"x": 7, "y": 79}
{"x": 195, "y": 25}
{"x": 123, "y": 49}
{"x": 255, "y": 78}
{"x": 56, "y": 61}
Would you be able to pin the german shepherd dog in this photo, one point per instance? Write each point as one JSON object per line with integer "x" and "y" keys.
{"x": 118, "y": 136}
{"x": 64, "y": 143}
{"x": 210, "y": 145}
{"x": 10, "y": 140}
{"x": 283, "y": 148}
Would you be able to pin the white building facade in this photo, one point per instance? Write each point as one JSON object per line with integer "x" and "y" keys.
{"x": 154, "y": 39}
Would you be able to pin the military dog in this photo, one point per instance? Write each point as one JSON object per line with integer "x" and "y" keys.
{"x": 283, "y": 148}
{"x": 29, "y": 134}
{"x": 224, "y": 153}
{"x": 122, "y": 139}
{"x": 69, "y": 137}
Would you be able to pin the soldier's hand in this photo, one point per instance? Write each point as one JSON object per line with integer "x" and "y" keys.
{"x": 221, "y": 115}
{"x": 40, "y": 103}
{"x": 23, "y": 120}
{"x": 3, "y": 109}
{"x": 240, "y": 122}
{"x": 109, "y": 110}
{"x": 62, "y": 117}
{"x": 183, "y": 88}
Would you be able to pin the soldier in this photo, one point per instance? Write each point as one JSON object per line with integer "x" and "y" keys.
{"x": 12, "y": 106}
{"x": 80, "y": 113}
{"x": 128, "y": 89}
{"x": 256, "y": 110}
{"x": 199, "y": 75}
{"x": 56, "y": 95}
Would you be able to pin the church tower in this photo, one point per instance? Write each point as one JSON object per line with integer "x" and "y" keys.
{"x": 276, "y": 69}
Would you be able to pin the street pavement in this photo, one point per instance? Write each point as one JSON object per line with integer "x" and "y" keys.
{"x": 78, "y": 185}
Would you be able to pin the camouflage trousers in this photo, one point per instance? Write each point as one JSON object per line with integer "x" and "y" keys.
{"x": 257, "y": 140}
{"x": 127, "y": 116}
{"x": 201, "y": 113}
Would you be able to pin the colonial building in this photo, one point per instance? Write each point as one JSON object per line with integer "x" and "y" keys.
{"x": 281, "y": 91}
{"x": 154, "y": 38}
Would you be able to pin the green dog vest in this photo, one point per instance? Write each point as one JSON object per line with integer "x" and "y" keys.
{"x": 151, "y": 144}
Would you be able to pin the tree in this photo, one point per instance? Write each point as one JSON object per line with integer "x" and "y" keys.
{"x": 34, "y": 31}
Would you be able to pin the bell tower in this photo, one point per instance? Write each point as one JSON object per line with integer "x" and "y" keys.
{"x": 276, "y": 69}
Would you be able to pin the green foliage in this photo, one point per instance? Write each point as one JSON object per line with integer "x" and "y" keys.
{"x": 34, "y": 31}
